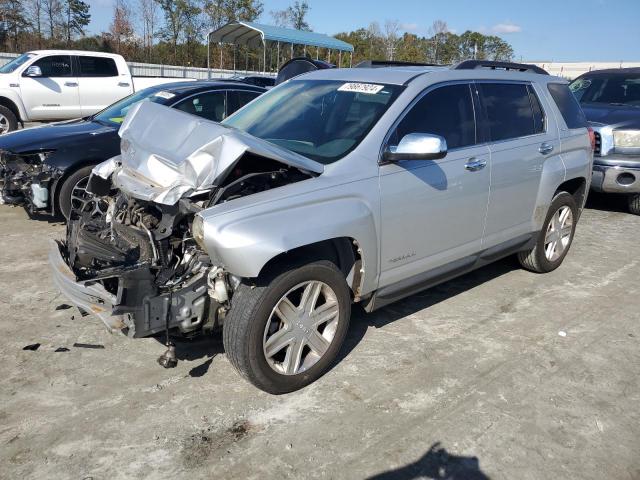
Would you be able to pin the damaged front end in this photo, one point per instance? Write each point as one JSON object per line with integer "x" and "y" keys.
{"x": 131, "y": 254}
{"x": 27, "y": 179}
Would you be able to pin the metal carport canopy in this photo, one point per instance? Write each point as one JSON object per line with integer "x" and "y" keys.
{"x": 256, "y": 34}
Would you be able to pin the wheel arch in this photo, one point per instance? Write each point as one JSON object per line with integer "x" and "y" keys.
{"x": 577, "y": 187}
{"x": 11, "y": 105}
{"x": 55, "y": 189}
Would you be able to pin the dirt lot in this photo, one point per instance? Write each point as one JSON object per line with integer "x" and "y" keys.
{"x": 473, "y": 379}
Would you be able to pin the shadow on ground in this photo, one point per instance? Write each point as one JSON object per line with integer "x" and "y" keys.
{"x": 437, "y": 463}
{"x": 608, "y": 202}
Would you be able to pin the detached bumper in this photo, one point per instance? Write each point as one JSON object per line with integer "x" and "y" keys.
{"x": 91, "y": 297}
{"x": 615, "y": 179}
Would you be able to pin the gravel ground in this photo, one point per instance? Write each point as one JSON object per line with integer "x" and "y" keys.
{"x": 499, "y": 374}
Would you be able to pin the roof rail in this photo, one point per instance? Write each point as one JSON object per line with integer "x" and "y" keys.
{"x": 392, "y": 63}
{"x": 520, "y": 67}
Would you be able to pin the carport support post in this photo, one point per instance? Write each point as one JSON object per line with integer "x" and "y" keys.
{"x": 292, "y": 50}
{"x": 317, "y": 52}
{"x": 264, "y": 55}
{"x": 278, "y": 58}
{"x": 339, "y": 58}
{"x": 209, "y": 56}
{"x": 351, "y": 60}
{"x": 329, "y": 56}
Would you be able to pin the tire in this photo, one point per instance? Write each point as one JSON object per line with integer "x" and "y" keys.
{"x": 65, "y": 202}
{"x": 538, "y": 258}
{"x": 634, "y": 204}
{"x": 249, "y": 327}
{"x": 8, "y": 120}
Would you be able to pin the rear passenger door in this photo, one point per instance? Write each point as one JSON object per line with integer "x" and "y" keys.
{"x": 433, "y": 211}
{"x": 99, "y": 83}
{"x": 515, "y": 125}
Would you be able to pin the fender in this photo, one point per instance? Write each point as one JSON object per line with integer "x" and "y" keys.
{"x": 245, "y": 240}
{"x": 8, "y": 95}
{"x": 553, "y": 174}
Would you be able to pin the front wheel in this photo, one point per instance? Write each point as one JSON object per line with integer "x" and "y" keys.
{"x": 634, "y": 204}
{"x": 285, "y": 333}
{"x": 555, "y": 237}
{"x": 8, "y": 120}
{"x": 73, "y": 192}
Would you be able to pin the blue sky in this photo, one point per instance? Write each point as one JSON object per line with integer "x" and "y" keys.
{"x": 550, "y": 30}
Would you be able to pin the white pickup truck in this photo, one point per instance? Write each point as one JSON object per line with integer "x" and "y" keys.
{"x": 47, "y": 85}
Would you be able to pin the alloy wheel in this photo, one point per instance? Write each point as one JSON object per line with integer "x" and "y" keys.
{"x": 79, "y": 194}
{"x": 4, "y": 124}
{"x": 558, "y": 236}
{"x": 301, "y": 327}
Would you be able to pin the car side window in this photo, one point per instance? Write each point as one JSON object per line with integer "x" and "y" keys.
{"x": 97, "y": 67}
{"x": 209, "y": 105}
{"x": 568, "y": 105}
{"x": 236, "y": 99}
{"x": 55, "y": 66}
{"x": 509, "y": 110}
{"x": 538, "y": 113}
{"x": 446, "y": 111}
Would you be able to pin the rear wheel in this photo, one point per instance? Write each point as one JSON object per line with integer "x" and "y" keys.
{"x": 286, "y": 333}
{"x": 555, "y": 237}
{"x": 8, "y": 120}
{"x": 73, "y": 192}
{"x": 634, "y": 204}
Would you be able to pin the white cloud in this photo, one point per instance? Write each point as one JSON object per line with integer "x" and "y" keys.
{"x": 409, "y": 27}
{"x": 506, "y": 27}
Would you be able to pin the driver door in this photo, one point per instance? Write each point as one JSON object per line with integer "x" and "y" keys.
{"x": 433, "y": 211}
{"x": 53, "y": 95}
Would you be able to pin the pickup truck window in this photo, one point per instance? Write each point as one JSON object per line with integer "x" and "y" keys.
{"x": 509, "y": 110}
{"x": 446, "y": 111}
{"x": 614, "y": 89}
{"x": 55, "y": 66}
{"x": 97, "y": 67}
{"x": 16, "y": 62}
{"x": 568, "y": 105}
{"x": 320, "y": 119}
{"x": 114, "y": 114}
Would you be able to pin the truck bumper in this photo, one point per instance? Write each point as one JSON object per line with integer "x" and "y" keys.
{"x": 615, "y": 179}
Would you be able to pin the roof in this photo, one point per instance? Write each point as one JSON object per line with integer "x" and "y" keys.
{"x": 254, "y": 34}
{"x": 614, "y": 71}
{"x": 388, "y": 75}
{"x": 195, "y": 85}
{"x": 74, "y": 52}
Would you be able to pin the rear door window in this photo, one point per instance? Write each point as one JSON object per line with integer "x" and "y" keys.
{"x": 509, "y": 110}
{"x": 236, "y": 99}
{"x": 568, "y": 105}
{"x": 446, "y": 111}
{"x": 97, "y": 67}
{"x": 209, "y": 105}
{"x": 55, "y": 66}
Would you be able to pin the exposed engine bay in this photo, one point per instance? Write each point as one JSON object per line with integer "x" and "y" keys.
{"x": 144, "y": 253}
{"x": 26, "y": 178}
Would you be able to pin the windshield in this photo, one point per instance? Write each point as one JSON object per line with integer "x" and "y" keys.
{"x": 612, "y": 90}
{"x": 115, "y": 113}
{"x": 319, "y": 119}
{"x": 16, "y": 62}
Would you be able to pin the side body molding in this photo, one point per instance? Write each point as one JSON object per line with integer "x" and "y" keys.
{"x": 245, "y": 239}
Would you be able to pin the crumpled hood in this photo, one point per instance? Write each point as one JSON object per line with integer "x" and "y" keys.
{"x": 167, "y": 154}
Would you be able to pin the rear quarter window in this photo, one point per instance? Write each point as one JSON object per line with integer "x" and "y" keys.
{"x": 568, "y": 105}
{"x": 97, "y": 67}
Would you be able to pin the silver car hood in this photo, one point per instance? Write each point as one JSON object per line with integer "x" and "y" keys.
{"x": 167, "y": 154}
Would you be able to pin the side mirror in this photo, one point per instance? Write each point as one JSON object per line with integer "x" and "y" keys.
{"x": 33, "y": 71}
{"x": 417, "y": 146}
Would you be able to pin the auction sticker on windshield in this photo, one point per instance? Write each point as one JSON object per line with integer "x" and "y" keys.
{"x": 361, "y": 88}
{"x": 165, "y": 95}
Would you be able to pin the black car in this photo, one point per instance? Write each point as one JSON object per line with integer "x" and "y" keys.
{"x": 610, "y": 100}
{"x": 47, "y": 168}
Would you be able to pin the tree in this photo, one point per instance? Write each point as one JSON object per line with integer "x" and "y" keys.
{"x": 149, "y": 19}
{"x": 294, "y": 16}
{"x": 53, "y": 14}
{"x": 14, "y": 21}
{"x": 35, "y": 10}
{"x": 77, "y": 18}
{"x": 391, "y": 29}
{"x": 438, "y": 30}
{"x": 121, "y": 28}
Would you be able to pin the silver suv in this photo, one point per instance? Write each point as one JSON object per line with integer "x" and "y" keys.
{"x": 348, "y": 185}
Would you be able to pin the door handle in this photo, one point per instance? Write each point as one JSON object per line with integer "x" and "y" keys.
{"x": 545, "y": 148}
{"x": 123, "y": 84}
{"x": 70, "y": 84}
{"x": 473, "y": 165}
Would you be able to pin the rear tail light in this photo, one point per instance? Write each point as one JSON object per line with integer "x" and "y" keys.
{"x": 592, "y": 138}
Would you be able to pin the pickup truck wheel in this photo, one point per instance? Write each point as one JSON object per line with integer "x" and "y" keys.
{"x": 555, "y": 237}
{"x": 634, "y": 204}
{"x": 8, "y": 120}
{"x": 286, "y": 332}
{"x": 73, "y": 191}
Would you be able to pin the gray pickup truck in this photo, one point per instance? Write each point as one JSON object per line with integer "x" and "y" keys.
{"x": 340, "y": 186}
{"x": 610, "y": 100}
